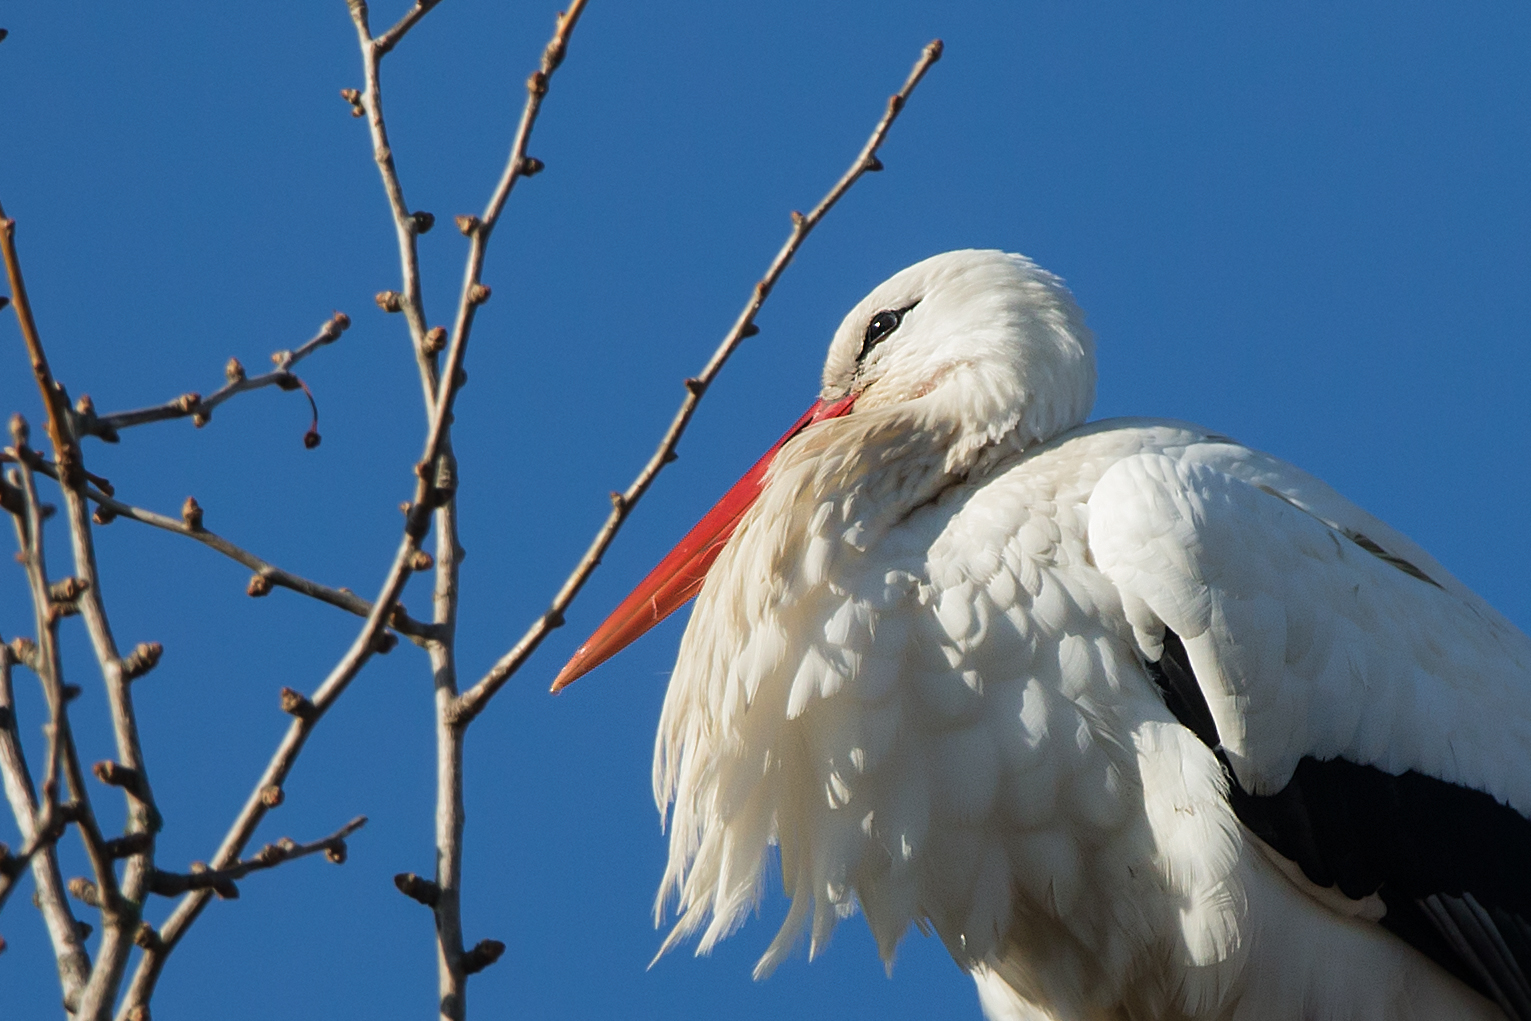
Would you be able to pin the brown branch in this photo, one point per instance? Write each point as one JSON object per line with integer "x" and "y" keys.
{"x": 199, "y": 408}
{"x": 472, "y": 701}
{"x": 221, "y": 881}
{"x": 55, "y": 401}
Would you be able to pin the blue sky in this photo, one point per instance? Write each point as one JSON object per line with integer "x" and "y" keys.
{"x": 1305, "y": 227}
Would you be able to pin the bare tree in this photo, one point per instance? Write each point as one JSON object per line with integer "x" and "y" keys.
{"x": 112, "y": 965}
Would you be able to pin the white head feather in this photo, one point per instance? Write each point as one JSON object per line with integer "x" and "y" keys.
{"x": 987, "y": 341}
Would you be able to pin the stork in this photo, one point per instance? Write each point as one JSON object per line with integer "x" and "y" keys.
{"x": 1142, "y": 723}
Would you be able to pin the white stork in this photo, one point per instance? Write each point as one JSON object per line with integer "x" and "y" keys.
{"x": 1144, "y": 724}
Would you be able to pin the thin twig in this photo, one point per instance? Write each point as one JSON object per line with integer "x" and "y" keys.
{"x": 417, "y": 631}
{"x": 429, "y": 495}
{"x": 54, "y": 399}
{"x": 63, "y": 929}
{"x": 220, "y": 881}
{"x": 454, "y": 962}
{"x": 389, "y": 39}
{"x": 40, "y": 827}
{"x": 407, "y": 226}
{"x": 200, "y": 408}
{"x": 472, "y": 701}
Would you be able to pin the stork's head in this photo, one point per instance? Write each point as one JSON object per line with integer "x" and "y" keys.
{"x": 982, "y": 349}
{"x": 980, "y": 335}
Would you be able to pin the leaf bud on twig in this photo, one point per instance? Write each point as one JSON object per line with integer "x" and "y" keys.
{"x": 478, "y": 294}
{"x": 20, "y": 431}
{"x": 115, "y": 774}
{"x": 423, "y": 221}
{"x": 144, "y": 657}
{"x": 436, "y": 340}
{"x": 389, "y": 301}
{"x": 482, "y": 956}
{"x": 147, "y": 938}
{"x": 295, "y": 703}
{"x": 531, "y": 167}
{"x": 417, "y": 889}
{"x": 25, "y": 652}
{"x": 260, "y": 585}
{"x": 67, "y": 590}
{"x": 187, "y": 403}
{"x": 340, "y": 321}
{"x": 353, "y": 97}
{"x": 104, "y": 516}
{"x": 385, "y": 642}
{"x": 420, "y": 560}
{"x": 234, "y": 371}
{"x": 271, "y": 795}
{"x": 191, "y": 514}
{"x": 336, "y": 851}
{"x": 467, "y": 224}
{"x": 84, "y": 891}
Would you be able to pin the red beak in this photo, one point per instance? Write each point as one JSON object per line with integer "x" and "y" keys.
{"x": 680, "y": 574}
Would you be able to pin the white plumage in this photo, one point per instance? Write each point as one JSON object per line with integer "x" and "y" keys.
{"x": 934, "y": 666}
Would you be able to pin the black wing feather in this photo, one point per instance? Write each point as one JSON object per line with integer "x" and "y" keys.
{"x": 1451, "y": 864}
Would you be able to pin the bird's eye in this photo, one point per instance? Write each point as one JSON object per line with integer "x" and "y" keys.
{"x": 882, "y": 324}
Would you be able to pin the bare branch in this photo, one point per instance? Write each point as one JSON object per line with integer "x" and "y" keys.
{"x": 472, "y": 701}
{"x": 40, "y": 829}
{"x": 417, "y": 631}
{"x": 54, "y": 399}
{"x": 221, "y": 881}
{"x": 406, "y": 226}
{"x": 199, "y": 408}
{"x": 111, "y": 508}
{"x": 42, "y": 657}
{"x": 389, "y": 39}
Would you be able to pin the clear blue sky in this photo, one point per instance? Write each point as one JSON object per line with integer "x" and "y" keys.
{"x": 1305, "y": 227}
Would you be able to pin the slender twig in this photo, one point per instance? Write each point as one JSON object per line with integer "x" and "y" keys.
{"x": 474, "y": 699}
{"x": 41, "y": 826}
{"x": 220, "y": 881}
{"x": 407, "y": 226}
{"x": 400, "y": 621}
{"x": 454, "y": 962}
{"x": 64, "y": 931}
{"x": 389, "y": 39}
{"x": 54, "y": 399}
{"x": 430, "y": 495}
{"x": 119, "y": 927}
{"x": 200, "y": 408}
